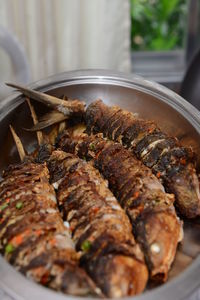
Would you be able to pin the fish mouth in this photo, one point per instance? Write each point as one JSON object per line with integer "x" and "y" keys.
{"x": 186, "y": 192}
{"x": 122, "y": 276}
{"x": 159, "y": 274}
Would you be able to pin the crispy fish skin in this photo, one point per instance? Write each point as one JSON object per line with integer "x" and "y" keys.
{"x": 100, "y": 228}
{"x": 33, "y": 237}
{"x": 172, "y": 163}
{"x": 155, "y": 223}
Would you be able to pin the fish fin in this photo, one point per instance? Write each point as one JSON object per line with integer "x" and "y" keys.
{"x": 78, "y": 129}
{"x": 62, "y": 127}
{"x": 46, "y": 99}
{"x": 35, "y": 122}
{"x": 53, "y": 134}
{"x": 47, "y": 120}
{"x": 19, "y": 145}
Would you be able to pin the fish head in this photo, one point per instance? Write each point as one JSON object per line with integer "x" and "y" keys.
{"x": 186, "y": 191}
{"x": 159, "y": 232}
{"x": 122, "y": 275}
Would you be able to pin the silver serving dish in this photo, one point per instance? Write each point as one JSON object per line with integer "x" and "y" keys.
{"x": 150, "y": 101}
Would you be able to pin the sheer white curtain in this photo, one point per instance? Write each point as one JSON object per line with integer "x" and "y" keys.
{"x": 62, "y": 35}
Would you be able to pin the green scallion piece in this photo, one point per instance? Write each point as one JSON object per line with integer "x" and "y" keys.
{"x": 19, "y": 205}
{"x": 92, "y": 147}
{"x": 86, "y": 245}
{"x": 3, "y": 206}
{"x": 9, "y": 248}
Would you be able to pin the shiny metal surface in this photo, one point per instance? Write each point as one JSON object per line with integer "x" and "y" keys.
{"x": 150, "y": 101}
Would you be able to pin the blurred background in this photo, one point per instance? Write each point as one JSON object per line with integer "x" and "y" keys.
{"x": 153, "y": 38}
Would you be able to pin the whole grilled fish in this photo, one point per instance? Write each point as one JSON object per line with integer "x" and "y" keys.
{"x": 155, "y": 223}
{"x": 33, "y": 237}
{"x": 100, "y": 228}
{"x": 172, "y": 163}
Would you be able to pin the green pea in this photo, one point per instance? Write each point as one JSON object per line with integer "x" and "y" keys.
{"x": 3, "y": 206}
{"x": 19, "y": 205}
{"x": 92, "y": 147}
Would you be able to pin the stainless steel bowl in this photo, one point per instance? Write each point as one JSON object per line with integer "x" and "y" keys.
{"x": 151, "y": 101}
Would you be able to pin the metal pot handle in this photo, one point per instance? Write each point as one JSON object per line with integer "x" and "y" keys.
{"x": 16, "y": 53}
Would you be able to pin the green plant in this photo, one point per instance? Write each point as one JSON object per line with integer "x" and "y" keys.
{"x": 158, "y": 24}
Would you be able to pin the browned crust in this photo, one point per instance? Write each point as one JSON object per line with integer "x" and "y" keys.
{"x": 172, "y": 163}
{"x": 139, "y": 193}
{"x": 33, "y": 237}
{"x": 95, "y": 217}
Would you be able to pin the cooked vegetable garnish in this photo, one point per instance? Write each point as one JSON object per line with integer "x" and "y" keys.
{"x": 9, "y": 248}
{"x": 3, "y": 206}
{"x": 19, "y": 205}
{"x": 86, "y": 245}
{"x": 92, "y": 146}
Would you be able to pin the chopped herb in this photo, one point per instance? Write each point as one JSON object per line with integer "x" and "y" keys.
{"x": 129, "y": 202}
{"x": 92, "y": 147}
{"x": 84, "y": 158}
{"x": 86, "y": 245}
{"x": 7, "y": 213}
{"x": 19, "y": 205}
{"x": 9, "y": 248}
{"x": 2, "y": 207}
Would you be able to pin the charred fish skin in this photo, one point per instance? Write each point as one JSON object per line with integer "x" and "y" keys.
{"x": 155, "y": 223}
{"x": 171, "y": 162}
{"x": 100, "y": 228}
{"x": 33, "y": 237}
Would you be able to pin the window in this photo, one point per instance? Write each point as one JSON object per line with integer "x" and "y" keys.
{"x": 164, "y": 35}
